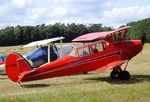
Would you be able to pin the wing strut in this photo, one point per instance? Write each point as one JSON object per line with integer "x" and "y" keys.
{"x": 48, "y": 52}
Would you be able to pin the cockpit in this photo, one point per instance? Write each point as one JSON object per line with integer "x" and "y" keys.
{"x": 89, "y": 48}
{"x": 40, "y": 55}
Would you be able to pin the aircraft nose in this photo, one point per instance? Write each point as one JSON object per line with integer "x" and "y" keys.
{"x": 133, "y": 48}
{"x": 138, "y": 45}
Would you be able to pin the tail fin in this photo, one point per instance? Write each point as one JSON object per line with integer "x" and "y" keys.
{"x": 15, "y": 65}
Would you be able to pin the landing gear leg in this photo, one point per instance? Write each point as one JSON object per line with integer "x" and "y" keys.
{"x": 125, "y": 75}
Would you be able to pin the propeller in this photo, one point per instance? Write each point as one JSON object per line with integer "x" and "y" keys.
{"x": 143, "y": 38}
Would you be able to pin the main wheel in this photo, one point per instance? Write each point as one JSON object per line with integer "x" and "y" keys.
{"x": 114, "y": 74}
{"x": 124, "y": 75}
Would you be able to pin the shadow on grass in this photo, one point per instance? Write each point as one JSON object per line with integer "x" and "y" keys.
{"x": 133, "y": 79}
{"x": 34, "y": 85}
{"x": 57, "y": 84}
{"x": 71, "y": 83}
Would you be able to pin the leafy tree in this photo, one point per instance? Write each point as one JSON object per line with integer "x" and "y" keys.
{"x": 138, "y": 28}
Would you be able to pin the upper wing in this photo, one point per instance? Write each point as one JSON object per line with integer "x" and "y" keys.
{"x": 43, "y": 42}
{"x": 98, "y": 35}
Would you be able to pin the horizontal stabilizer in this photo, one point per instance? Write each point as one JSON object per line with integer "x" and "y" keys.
{"x": 22, "y": 75}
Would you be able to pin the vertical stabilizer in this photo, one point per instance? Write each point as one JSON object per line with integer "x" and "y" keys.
{"x": 15, "y": 65}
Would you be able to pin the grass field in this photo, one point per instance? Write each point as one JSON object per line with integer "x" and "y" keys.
{"x": 93, "y": 87}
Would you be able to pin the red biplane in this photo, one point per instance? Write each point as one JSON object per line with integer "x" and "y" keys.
{"x": 101, "y": 51}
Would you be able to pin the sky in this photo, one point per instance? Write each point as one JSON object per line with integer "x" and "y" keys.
{"x": 112, "y": 13}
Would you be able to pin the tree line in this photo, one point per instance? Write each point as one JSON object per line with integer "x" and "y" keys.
{"x": 25, "y": 34}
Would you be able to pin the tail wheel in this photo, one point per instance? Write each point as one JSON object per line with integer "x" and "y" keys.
{"x": 114, "y": 74}
{"x": 124, "y": 75}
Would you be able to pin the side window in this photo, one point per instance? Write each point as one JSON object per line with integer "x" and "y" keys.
{"x": 83, "y": 51}
{"x": 100, "y": 47}
{"x": 123, "y": 35}
{"x": 97, "y": 48}
{"x": 105, "y": 45}
{"x": 73, "y": 53}
{"x": 118, "y": 37}
{"x": 114, "y": 38}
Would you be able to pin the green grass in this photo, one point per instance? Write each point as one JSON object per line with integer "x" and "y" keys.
{"x": 93, "y": 87}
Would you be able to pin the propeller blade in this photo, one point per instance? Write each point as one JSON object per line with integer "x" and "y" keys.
{"x": 143, "y": 38}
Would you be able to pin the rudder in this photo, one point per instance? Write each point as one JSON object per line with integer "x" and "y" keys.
{"x": 15, "y": 65}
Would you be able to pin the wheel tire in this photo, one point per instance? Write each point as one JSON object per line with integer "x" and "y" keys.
{"x": 124, "y": 75}
{"x": 114, "y": 74}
